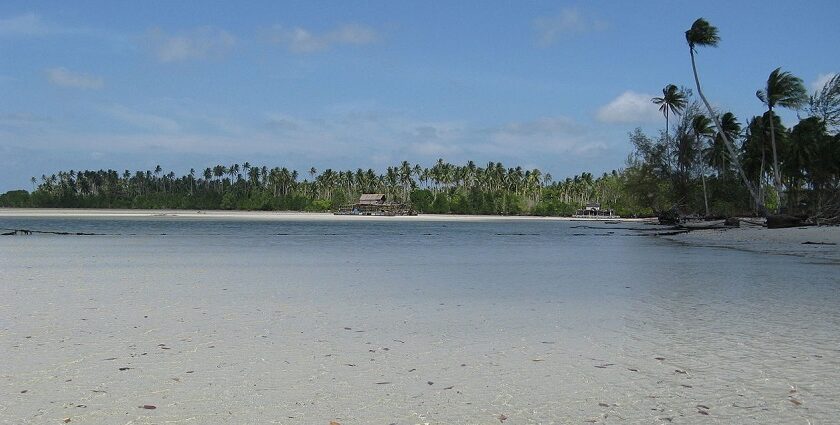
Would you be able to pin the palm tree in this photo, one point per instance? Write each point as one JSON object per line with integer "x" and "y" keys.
{"x": 701, "y": 34}
{"x": 716, "y": 155}
{"x": 672, "y": 101}
{"x": 785, "y": 90}
{"x": 701, "y": 126}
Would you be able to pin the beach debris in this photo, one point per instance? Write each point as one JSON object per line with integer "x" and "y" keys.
{"x": 400, "y": 341}
{"x": 412, "y": 370}
{"x": 794, "y": 401}
{"x": 148, "y": 407}
{"x": 604, "y": 366}
{"x": 680, "y": 371}
{"x": 686, "y": 386}
{"x": 348, "y": 329}
{"x": 24, "y": 391}
{"x": 537, "y": 360}
{"x": 502, "y": 418}
{"x": 449, "y": 387}
{"x": 603, "y": 404}
{"x": 632, "y": 369}
{"x": 349, "y": 364}
{"x": 430, "y": 382}
{"x": 66, "y": 420}
{"x": 334, "y": 423}
{"x": 659, "y": 358}
{"x": 703, "y": 412}
{"x": 383, "y": 383}
{"x": 818, "y": 243}
{"x": 702, "y": 406}
{"x": 124, "y": 368}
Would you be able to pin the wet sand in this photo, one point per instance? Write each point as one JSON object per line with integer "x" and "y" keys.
{"x": 816, "y": 242}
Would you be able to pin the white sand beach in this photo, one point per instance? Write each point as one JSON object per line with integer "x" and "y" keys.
{"x": 265, "y": 215}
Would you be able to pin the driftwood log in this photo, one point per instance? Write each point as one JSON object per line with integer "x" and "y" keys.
{"x": 781, "y": 221}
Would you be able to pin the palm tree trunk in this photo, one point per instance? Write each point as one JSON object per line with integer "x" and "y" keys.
{"x": 703, "y": 174}
{"x": 777, "y": 177}
{"x": 667, "y": 141}
{"x": 729, "y": 146}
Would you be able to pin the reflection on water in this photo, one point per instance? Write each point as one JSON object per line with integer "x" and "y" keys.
{"x": 558, "y": 317}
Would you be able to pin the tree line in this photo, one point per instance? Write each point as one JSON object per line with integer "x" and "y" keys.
{"x": 441, "y": 188}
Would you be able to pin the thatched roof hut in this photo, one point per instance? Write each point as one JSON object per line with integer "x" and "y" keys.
{"x": 371, "y": 199}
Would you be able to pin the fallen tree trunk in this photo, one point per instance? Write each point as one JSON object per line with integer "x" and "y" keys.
{"x": 781, "y": 221}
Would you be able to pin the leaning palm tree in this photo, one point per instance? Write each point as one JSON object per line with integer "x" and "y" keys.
{"x": 701, "y": 126}
{"x": 672, "y": 101}
{"x": 701, "y": 34}
{"x": 785, "y": 90}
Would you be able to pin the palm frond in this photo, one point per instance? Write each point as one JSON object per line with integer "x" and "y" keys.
{"x": 702, "y": 33}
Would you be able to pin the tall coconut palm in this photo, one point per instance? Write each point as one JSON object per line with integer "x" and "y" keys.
{"x": 785, "y": 90}
{"x": 673, "y": 101}
{"x": 703, "y": 34}
{"x": 701, "y": 126}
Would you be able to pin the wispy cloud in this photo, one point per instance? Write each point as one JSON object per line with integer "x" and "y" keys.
{"x": 300, "y": 40}
{"x": 33, "y": 25}
{"x": 199, "y": 43}
{"x": 821, "y": 81}
{"x": 568, "y": 22}
{"x": 146, "y": 121}
{"x": 629, "y": 107}
{"x": 549, "y": 135}
{"x": 25, "y": 25}
{"x": 66, "y": 78}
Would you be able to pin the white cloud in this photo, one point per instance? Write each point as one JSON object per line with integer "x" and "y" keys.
{"x": 301, "y": 40}
{"x": 66, "y": 78}
{"x": 821, "y": 81}
{"x": 629, "y": 107}
{"x": 28, "y": 24}
{"x": 568, "y": 22}
{"x": 200, "y": 43}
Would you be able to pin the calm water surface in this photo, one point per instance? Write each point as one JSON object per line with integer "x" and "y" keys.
{"x": 542, "y": 321}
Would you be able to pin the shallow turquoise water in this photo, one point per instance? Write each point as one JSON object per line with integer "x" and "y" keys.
{"x": 741, "y": 333}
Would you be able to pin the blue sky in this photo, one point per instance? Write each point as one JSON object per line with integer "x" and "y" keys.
{"x": 554, "y": 85}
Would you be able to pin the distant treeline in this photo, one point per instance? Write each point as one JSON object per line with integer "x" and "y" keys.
{"x": 441, "y": 188}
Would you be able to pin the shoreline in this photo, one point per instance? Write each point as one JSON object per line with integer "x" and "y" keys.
{"x": 813, "y": 242}
{"x": 268, "y": 215}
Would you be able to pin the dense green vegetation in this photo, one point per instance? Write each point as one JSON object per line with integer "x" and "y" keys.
{"x": 442, "y": 188}
{"x": 703, "y": 162}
